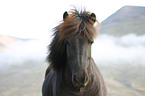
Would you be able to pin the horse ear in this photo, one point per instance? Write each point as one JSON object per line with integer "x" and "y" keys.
{"x": 92, "y": 18}
{"x": 93, "y": 15}
{"x": 65, "y": 15}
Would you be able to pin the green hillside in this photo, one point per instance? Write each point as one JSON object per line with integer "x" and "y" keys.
{"x": 27, "y": 79}
{"x": 128, "y": 19}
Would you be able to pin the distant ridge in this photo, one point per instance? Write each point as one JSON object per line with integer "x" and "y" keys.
{"x": 127, "y": 20}
{"x": 6, "y": 40}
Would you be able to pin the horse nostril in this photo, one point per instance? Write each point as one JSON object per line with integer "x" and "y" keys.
{"x": 80, "y": 81}
{"x": 76, "y": 81}
{"x": 86, "y": 78}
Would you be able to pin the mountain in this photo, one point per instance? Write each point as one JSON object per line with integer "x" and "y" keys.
{"x": 128, "y": 19}
{"x": 6, "y": 40}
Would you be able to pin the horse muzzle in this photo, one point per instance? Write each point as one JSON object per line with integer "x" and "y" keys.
{"x": 80, "y": 79}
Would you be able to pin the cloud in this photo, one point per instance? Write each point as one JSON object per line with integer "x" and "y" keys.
{"x": 106, "y": 49}
{"x": 22, "y": 50}
{"x": 119, "y": 50}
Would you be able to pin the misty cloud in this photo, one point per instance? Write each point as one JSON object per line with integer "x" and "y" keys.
{"x": 23, "y": 50}
{"x": 106, "y": 49}
{"x": 119, "y": 50}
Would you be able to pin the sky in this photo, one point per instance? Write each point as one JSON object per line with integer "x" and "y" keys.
{"x": 36, "y": 18}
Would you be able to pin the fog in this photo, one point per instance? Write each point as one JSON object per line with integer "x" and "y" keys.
{"x": 21, "y": 50}
{"x": 129, "y": 49}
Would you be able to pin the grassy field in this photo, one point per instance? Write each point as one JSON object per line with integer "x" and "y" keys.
{"x": 124, "y": 80}
{"x": 27, "y": 79}
{"x": 22, "y": 80}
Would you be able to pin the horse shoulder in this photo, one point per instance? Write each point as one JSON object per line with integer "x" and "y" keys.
{"x": 48, "y": 83}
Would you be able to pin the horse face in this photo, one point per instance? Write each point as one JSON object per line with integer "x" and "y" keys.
{"x": 78, "y": 59}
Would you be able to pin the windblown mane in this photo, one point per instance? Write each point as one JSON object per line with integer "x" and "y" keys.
{"x": 77, "y": 23}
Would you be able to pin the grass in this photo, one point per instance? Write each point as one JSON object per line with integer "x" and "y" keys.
{"x": 124, "y": 79}
{"x": 26, "y": 79}
{"x": 22, "y": 80}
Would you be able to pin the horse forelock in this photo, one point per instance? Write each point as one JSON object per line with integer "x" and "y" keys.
{"x": 75, "y": 24}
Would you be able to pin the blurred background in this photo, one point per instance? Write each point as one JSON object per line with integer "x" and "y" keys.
{"x": 26, "y": 29}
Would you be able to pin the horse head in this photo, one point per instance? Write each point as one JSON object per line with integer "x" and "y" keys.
{"x": 79, "y": 32}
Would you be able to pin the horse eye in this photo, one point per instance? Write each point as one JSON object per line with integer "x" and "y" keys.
{"x": 92, "y": 42}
